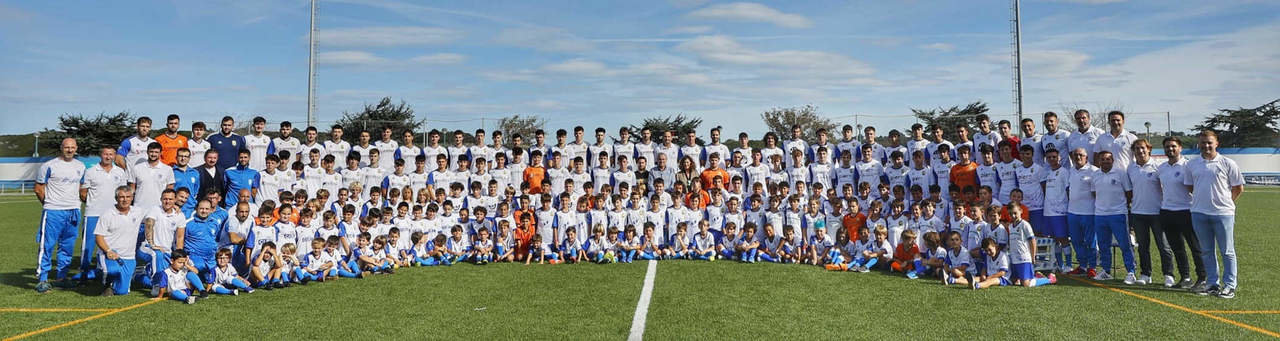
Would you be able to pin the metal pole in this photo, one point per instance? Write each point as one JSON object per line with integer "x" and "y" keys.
{"x": 311, "y": 68}
{"x": 36, "y": 147}
{"x": 1017, "y": 54}
{"x": 1168, "y": 123}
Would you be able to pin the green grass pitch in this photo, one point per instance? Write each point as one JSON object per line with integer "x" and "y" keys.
{"x": 691, "y": 300}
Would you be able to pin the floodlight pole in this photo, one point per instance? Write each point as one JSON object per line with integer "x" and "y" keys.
{"x": 311, "y": 68}
{"x": 1017, "y": 56}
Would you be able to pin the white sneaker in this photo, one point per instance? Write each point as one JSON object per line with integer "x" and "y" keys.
{"x": 1144, "y": 280}
{"x": 1129, "y": 279}
{"x": 1169, "y": 282}
{"x": 191, "y": 300}
{"x": 1103, "y": 276}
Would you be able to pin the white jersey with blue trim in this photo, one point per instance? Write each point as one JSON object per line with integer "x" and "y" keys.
{"x": 259, "y": 146}
{"x": 997, "y": 264}
{"x": 102, "y": 184}
{"x": 62, "y": 181}
{"x": 134, "y": 150}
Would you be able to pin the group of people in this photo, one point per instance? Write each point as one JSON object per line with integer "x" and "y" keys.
{"x": 228, "y": 213}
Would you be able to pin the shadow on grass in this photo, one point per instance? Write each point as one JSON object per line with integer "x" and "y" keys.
{"x": 26, "y": 279}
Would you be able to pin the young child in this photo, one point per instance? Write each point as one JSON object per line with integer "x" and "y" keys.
{"x": 1022, "y": 251}
{"x": 372, "y": 256}
{"x": 906, "y": 257}
{"x": 792, "y": 246}
{"x": 748, "y": 247}
{"x": 600, "y": 250}
{"x": 650, "y": 244}
{"x": 997, "y": 272}
{"x": 842, "y": 253}
{"x": 226, "y": 281}
{"x": 819, "y": 245}
{"x": 570, "y": 250}
{"x": 333, "y": 246}
{"x": 871, "y": 251}
{"x": 317, "y": 265}
{"x": 679, "y": 246}
{"x": 771, "y": 246}
{"x": 458, "y": 248}
{"x": 505, "y": 244}
{"x": 957, "y": 264}
{"x": 264, "y": 272}
{"x": 933, "y": 257}
{"x": 631, "y": 245}
{"x": 725, "y": 247}
{"x": 290, "y": 271}
{"x": 177, "y": 281}
{"x": 483, "y": 247}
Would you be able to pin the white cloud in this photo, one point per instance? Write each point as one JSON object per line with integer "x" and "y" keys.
{"x": 942, "y": 47}
{"x": 751, "y": 12}
{"x": 725, "y": 50}
{"x": 543, "y": 39}
{"x": 689, "y": 29}
{"x": 386, "y": 36}
{"x": 349, "y": 58}
{"x": 580, "y": 67}
{"x": 439, "y": 58}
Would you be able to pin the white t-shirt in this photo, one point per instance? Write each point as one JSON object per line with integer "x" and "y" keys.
{"x": 1087, "y": 140}
{"x": 120, "y": 231}
{"x": 197, "y": 148}
{"x": 1212, "y": 181}
{"x": 1118, "y": 146}
{"x": 102, "y": 184}
{"x": 1145, "y": 180}
{"x": 259, "y": 146}
{"x": 1080, "y": 190}
{"x": 62, "y": 181}
{"x": 1174, "y": 195}
{"x": 134, "y": 149}
{"x": 386, "y": 155}
{"x": 1055, "y": 194}
{"x": 1029, "y": 180}
{"x": 290, "y": 144}
{"x": 1109, "y": 188}
{"x": 1019, "y": 246}
{"x": 165, "y": 226}
{"x": 338, "y": 149}
{"x": 149, "y": 181}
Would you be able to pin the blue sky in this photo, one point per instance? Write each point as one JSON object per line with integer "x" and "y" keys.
{"x": 615, "y": 62}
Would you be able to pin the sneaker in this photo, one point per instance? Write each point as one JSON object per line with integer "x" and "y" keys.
{"x": 1091, "y": 273}
{"x": 1077, "y": 272}
{"x": 43, "y": 287}
{"x": 250, "y": 291}
{"x": 66, "y": 284}
{"x": 1064, "y": 269}
{"x": 864, "y": 268}
{"x": 1201, "y": 283}
{"x": 191, "y": 300}
{"x": 1103, "y": 276}
{"x": 390, "y": 271}
{"x": 108, "y": 293}
{"x": 267, "y": 287}
{"x": 1038, "y": 275}
{"x": 235, "y": 292}
{"x": 1227, "y": 293}
{"x": 1053, "y": 279}
{"x": 204, "y": 294}
{"x": 1207, "y": 290}
{"x": 974, "y": 285}
{"x": 1187, "y": 283}
{"x": 946, "y": 278}
{"x": 1144, "y": 280}
{"x": 912, "y": 275}
{"x": 1169, "y": 282}
{"x": 1129, "y": 279}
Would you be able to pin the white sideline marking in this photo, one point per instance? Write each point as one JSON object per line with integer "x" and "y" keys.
{"x": 642, "y": 307}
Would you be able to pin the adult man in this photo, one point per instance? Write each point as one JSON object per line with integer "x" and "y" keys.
{"x": 148, "y": 179}
{"x": 197, "y": 144}
{"x": 335, "y": 145}
{"x": 693, "y": 150}
{"x": 210, "y": 177}
{"x": 171, "y": 141}
{"x": 134, "y": 149}
{"x": 1054, "y": 138}
{"x": 97, "y": 190}
{"x": 1111, "y": 188}
{"x": 312, "y": 142}
{"x": 716, "y": 147}
{"x": 387, "y": 147}
{"x": 1085, "y": 136}
{"x": 1080, "y": 212}
{"x": 287, "y": 142}
{"x": 407, "y": 150}
{"x": 186, "y": 177}
{"x": 58, "y": 189}
{"x": 227, "y": 144}
{"x": 117, "y": 237}
{"x": 200, "y": 237}
{"x": 238, "y": 178}
{"x": 1175, "y": 214}
{"x": 432, "y": 149}
{"x": 1215, "y": 183}
{"x": 1144, "y": 214}
{"x": 1031, "y": 138}
{"x": 1117, "y": 140}
{"x": 163, "y": 226}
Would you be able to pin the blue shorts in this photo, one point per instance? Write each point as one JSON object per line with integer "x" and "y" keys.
{"x": 1021, "y": 271}
{"x": 1053, "y": 226}
{"x": 1037, "y": 223}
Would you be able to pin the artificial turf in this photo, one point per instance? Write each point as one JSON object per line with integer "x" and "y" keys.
{"x": 691, "y": 300}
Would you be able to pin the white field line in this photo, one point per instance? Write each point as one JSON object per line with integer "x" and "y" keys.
{"x": 642, "y": 307}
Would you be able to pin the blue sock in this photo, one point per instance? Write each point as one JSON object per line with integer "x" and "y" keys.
{"x": 871, "y": 263}
{"x": 1039, "y": 282}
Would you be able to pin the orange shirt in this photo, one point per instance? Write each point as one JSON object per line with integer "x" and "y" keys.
{"x": 853, "y": 222}
{"x": 169, "y": 148}
{"x": 534, "y": 176}
{"x": 703, "y": 199}
{"x": 965, "y": 175}
{"x": 1004, "y": 213}
{"x": 904, "y": 255}
{"x": 523, "y": 235}
{"x": 708, "y": 178}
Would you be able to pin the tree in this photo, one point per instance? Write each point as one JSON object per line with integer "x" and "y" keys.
{"x": 91, "y": 133}
{"x": 780, "y": 121}
{"x": 1242, "y": 127}
{"x": 678, "y": 125}
{"x": 1097, "y": 114}
{"x": 951, "y": 117}
{"x": 374, "y": 117}
{"x": 522, "y": 125}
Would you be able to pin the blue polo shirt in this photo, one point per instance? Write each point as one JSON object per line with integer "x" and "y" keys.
{"x": 189, "y": 179}
{"x": 228, "y": 148}
{"x": 201, "y": 239}
{"x": 238, "y": 178}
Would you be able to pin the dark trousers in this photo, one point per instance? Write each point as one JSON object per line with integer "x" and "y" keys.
{"x": 1178, "y": 232}
{"x": 1146, "y": 226}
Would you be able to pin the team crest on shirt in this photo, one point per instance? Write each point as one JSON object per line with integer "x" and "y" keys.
{"x": 1177, "y": 173}
{"x": 1113, "y": 181}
